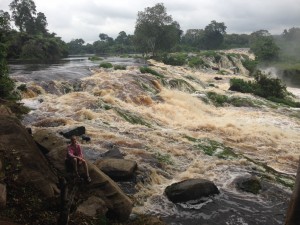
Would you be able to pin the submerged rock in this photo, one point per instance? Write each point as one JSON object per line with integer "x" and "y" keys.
{"x": 191, "y": 189}
{"x": 249, "y": 184}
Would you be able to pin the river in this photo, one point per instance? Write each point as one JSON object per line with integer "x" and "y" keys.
{"x": 266, "y": 137}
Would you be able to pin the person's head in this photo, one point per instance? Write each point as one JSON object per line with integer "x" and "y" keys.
{"x": 73, "y": 140}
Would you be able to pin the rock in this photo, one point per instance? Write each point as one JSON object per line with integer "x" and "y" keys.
{"x": 92, "y": 206}
{"x": 114, "y": 152}
{"x": 117, "y": 169}
{"x": 4, "y": 111}
{"x": 249, "y": 184}
{"x": 17, "y": 143}
{"x": 191, "y": 189}
{"x": 78, "y": 131}
{"x": 118, "y": 205}
{"x": 3, "y": 195}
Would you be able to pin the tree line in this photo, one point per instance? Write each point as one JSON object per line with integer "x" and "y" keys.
{"x": 155, "y": 32}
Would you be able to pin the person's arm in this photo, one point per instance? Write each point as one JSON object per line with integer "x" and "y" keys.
{"x": 80, "y": 155}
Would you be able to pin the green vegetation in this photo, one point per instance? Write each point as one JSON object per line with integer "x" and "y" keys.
{"x": 151, "y": 71}
{"x": 32, "y": 41}
{"x": 119, "y": 67}
{"x": 132, "y": 118}
{"x": 155, "y": 30}
{"x": 181, "y": 85}
{"x": 106, "y": 65}
{"x": 266, "y": 87}
{"x": 22, "y": 87}
{"x": 213, "y": 148}
{"x": 250, "y": 65}
{"x": 222, "y": 100}
{"x": 164, "y": 158}
{"x": 177, "y": 59}
{"x": 196, "y": 62}
{"x": 265, "y": 49}
{"x": 95, "y": 58}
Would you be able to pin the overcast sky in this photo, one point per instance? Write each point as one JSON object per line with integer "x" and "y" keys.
{"x": 71, "y": 19}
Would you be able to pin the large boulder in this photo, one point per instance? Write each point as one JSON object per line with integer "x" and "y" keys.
{"x": 191, "y": 189}
{"x": 17, "y": 144}
{"x": 107, "y": 195}
{"x": 3, "y": 195}
{"x": 117, "y": 169}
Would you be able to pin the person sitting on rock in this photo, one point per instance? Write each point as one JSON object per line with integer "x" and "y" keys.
{"x": 75, "y": 156}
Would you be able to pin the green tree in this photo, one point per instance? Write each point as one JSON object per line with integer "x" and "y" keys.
{"x": 76, "y": 46}
{"x": 41, "y": 23}
{"x": 264, "y": 46}
{"x": 194, "y": 38}
{"x": 214, "y": 35}
{"x": 23, "y": 13}
{"x": 155, "y": 30}
{"x": 6, "y": 84}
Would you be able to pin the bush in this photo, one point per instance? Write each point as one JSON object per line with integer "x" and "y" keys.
{"x": 119, "y": 67}
{"x": 267, "y": 87}
{"x": 250, "y": 65}
{"x": 175, "y": 59}
{"x": 106, "y": 65}
{"x": 22, "y": 87}
{"x": 240, "y": 85}
{"x": 151, "y": 71}
{"x": 95, "y": 58}
{"x": 196, "y": 62}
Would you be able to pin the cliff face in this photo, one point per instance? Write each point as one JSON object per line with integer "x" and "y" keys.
{"x": 15, "y": 141}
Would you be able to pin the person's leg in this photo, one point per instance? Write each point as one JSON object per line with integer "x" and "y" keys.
{"x": 74, "y": 162}
{"x": 86, "y": 169}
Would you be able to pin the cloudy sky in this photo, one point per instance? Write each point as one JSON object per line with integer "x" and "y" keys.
{"x": 85, "y": 19}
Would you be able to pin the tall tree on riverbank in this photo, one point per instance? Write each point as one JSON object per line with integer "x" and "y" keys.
{"x": 263, "y": 46}
{"x": 155, "y": 30}
{"x": 214, "y": 35}
{"x": 23, "y": 13}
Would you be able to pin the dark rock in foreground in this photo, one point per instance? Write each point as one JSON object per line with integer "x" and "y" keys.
{"x": 78, "y": 131}
{"x": 190, "y": 190}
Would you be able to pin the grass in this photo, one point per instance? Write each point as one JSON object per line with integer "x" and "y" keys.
{"x": 164, "y": 158}
{"x": 151, "y": 71}
{"x": 131, "y": 118}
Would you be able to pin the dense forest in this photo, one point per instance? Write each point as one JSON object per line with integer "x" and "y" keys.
{"x": 155, "y": 34}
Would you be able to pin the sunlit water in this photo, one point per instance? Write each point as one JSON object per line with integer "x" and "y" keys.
{"x": 267, "y": 135}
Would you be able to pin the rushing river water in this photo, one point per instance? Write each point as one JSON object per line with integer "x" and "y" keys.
{"x": 261, "y": 136}
{"x": 75, "y": 67}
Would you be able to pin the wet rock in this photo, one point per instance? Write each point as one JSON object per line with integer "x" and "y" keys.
{"x": 3, "y": 195}
{"x": 78, "y": 131}
{"x": 92, "y": 206}
{"x": 248, "y": 184}
{"x": 114, "y": 152}
{"x": 117, "y": 169}
{"x": 191, "y": 189}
